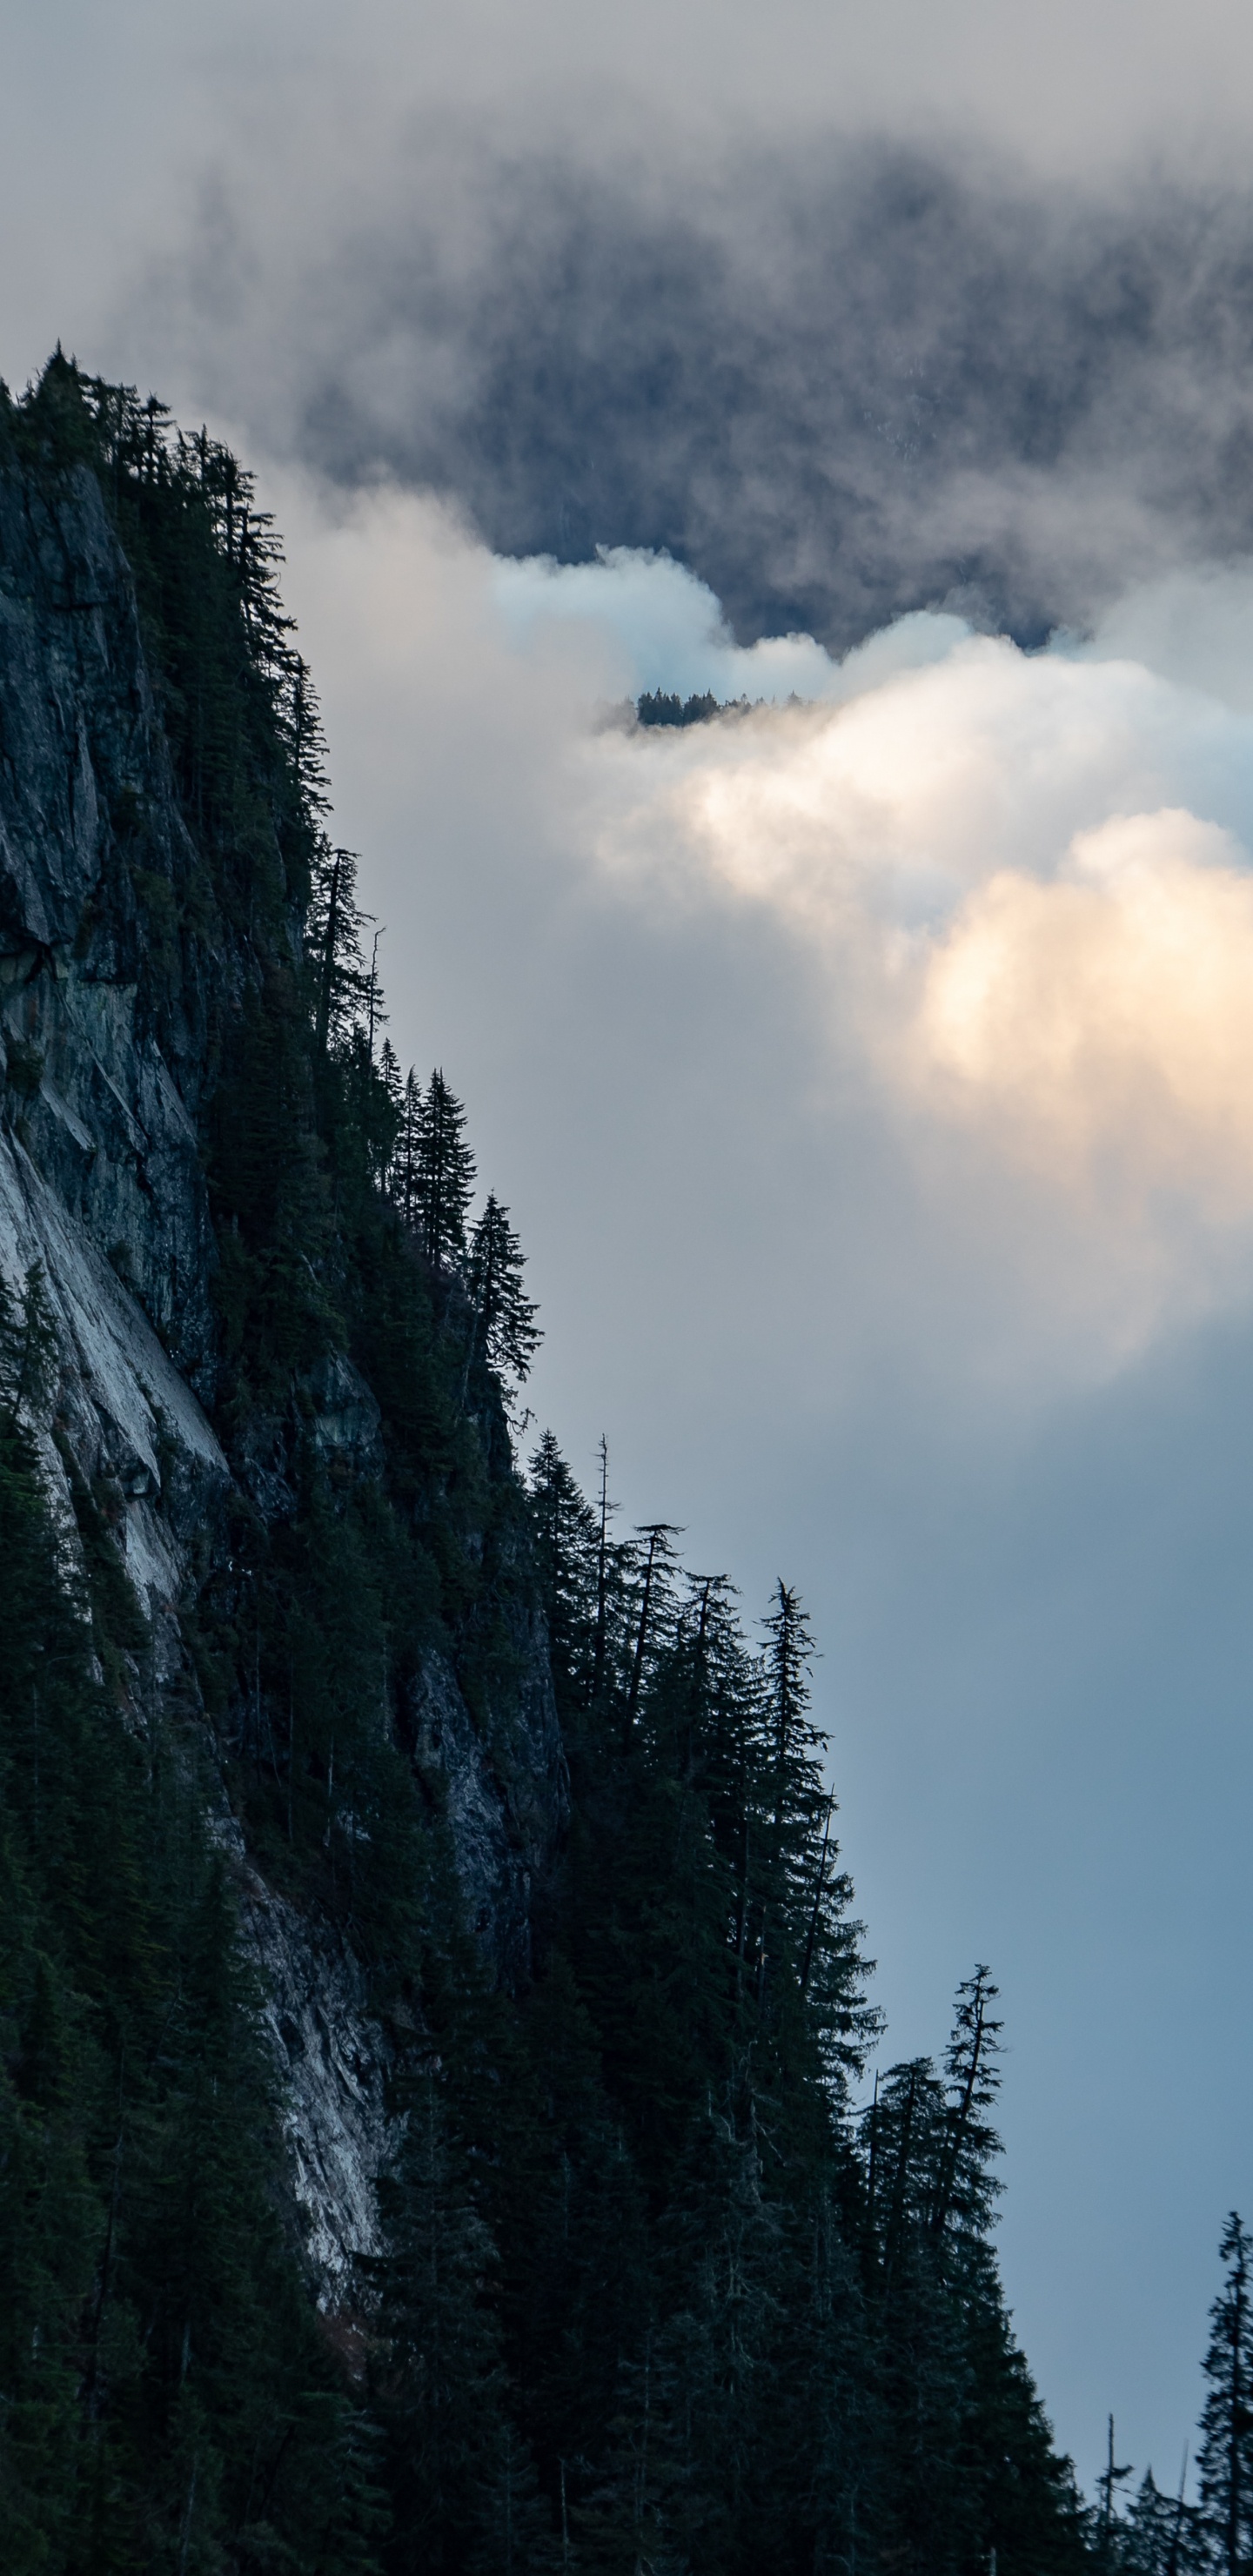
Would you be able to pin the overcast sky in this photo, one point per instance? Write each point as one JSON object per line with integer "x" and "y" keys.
{"x": 871, "y": 1080}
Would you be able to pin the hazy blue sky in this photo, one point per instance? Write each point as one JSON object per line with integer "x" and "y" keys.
{"x": 872, "y": 1083}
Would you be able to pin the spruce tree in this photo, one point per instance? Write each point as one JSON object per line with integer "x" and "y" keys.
{"x": 405, "y": 1167}
{"x": 1226, "y": 2455}
{"x": 569, "y": 1565}
{"x": 1162, "y": 2535}
{"x": 444, "y": 1177}
{"x": 342, "y": 984}
{"x": 503, "y": 1330}
{"x": 439, "y": 2383}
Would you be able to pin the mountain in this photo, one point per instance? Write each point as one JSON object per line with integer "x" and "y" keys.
{"x": 432, "y": 2018}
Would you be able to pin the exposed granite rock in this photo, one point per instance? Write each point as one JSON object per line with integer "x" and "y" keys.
{"x": 88, "y": 822}
{"x": 334, "y": 2061}
{"x": 346, "y": 1426}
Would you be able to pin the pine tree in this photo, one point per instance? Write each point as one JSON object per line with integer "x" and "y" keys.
{"x": 623, "y": 2528}
{"x": 1162, "y": 2535}
{"x": 444, "y": 1176}
{"x": 1108, "y": 2483}
{"x": 569, "y": 1564}
{"x": 513, "y": 2526}
{"x": 439, "y": 2382}
{"x": 405, "y": 1166}
{"x": 1226, "y": 2456}
{"x": 503, "y": 1329}
{"x": 658, "y": 1566}
{"x": 965, "y": 2186}
{"x": 28, "y": 1344}
{"x": 342, "y": 984}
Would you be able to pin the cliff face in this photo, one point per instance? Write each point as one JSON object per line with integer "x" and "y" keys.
{"x": 123, "y": 987}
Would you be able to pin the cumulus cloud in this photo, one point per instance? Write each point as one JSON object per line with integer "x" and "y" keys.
{"x": 1102, "y": 1024}
{"x": 1025, "y": 935}
{"x": 1000, "y": 903}
{"x": 663, "y": 619}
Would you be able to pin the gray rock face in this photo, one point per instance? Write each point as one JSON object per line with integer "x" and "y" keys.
{"x": 105, "y": 1060}
{"x": 346, "y": 1428}
{"x": 335, "y": 2063}
{"x": 89, "y": 828}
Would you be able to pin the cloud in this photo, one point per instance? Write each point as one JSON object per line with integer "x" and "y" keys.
{"x": 663, "y": 619}
{"x": 1027, "y": 943}
{"x": 1101, "y": 1025}
{"x": 841, "y": 349}
{"x": 839, "y": 384}
{"x": 972, "y": 930}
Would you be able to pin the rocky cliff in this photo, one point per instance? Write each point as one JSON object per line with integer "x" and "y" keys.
{"x": 137, "y": 969}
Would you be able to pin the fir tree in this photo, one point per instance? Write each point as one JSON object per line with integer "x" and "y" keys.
{"x": 440, "y": 2384}
{"x": 405, "y": 1168}
{"x": 503, "y": 1329}
{"x": 444, "y": 1175}
{"x": 342, "y": 984}
{"x": 28, "y": 1345}
{"x": 1226, "y": 2456}
{"x": 569, "y": 1554}
{"x": 1162, "y": 2535}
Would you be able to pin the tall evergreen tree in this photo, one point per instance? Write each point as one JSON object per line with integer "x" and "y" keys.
{"x": 444, "y": 1177}
{"x": 439, "y": 2378}
{"x": 1226, "y": 2457}
{"x": 503, "y": 1330}
{"x": 342, "y": 983}
{"x": 1162, "y": 2535}
{"x": 405, "y": 1168}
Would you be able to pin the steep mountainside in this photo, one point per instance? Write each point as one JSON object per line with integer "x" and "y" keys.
{"x": 428, "y": 1993}
{"x": 131, "y": 984}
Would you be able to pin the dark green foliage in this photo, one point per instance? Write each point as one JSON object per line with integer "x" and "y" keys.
{"x": 817, "y": 2368}
{"x": 27, "y": 1346}
{"x": 503, "y": 1330}
{"x": 1161, "y": 2535}
{"x": 167, "y": 2400}
{"x": 23, "y": 1068}
{"x": 443, "y": 1175}
{"x": 656, "y": 707}
{"x": 1226, "y": 2461}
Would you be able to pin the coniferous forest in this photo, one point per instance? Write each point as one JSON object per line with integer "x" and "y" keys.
{"x": 668, "y": 2280}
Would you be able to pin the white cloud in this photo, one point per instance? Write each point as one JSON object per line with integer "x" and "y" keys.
{"x": 990, "y": 913}
{"x": 1026, "y": 937}
{"x": 667, "y": 630}
{"x": 1101, "y": 1024}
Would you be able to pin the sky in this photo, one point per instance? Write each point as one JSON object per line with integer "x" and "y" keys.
{"x": 870, "y": 1072}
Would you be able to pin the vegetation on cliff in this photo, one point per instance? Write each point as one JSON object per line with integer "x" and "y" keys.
{"x": 657, "y": 2288}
